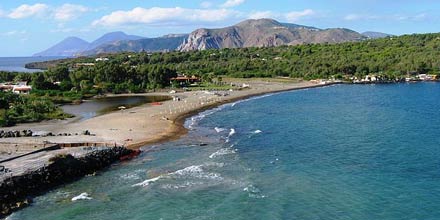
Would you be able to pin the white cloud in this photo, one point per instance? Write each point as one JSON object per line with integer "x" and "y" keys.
{"x": 395, "y": 17}
{"x": 206, "y": 4}
{"x": 297, "y": 15}
{"x": 292, "y": 16}
{"x": 262, "y": 14}
{"x": 25, "y": 11}
{"x": 62, "y": 13}
{"x": 69, "y": 11}
{"x": 170, "y": 16}
{"x": 355, "y": 17}
{"x": 13, "y": 33}
{"x": 232, "y": 3}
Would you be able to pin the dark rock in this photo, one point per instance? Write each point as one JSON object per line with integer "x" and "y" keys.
{"x": 16, "y": 192}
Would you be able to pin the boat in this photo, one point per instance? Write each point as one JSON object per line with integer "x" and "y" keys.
{"x": 134, "y": 154}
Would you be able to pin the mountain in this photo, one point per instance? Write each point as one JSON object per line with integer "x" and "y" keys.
{"x": 265, "y": 33}
{"x": 73, "y": 46}
{"x": 376, "y": 35}
{"x": 249, "y": 33}
{"x": 111, "y": 38}
{"x": 165, "y": 43}
{"x": 67, "y": 47}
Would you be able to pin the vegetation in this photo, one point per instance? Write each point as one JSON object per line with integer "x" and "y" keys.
{"x": 140, "y": 72}
{"x": 20, "y": 109}
{"x": 74, "y": 79}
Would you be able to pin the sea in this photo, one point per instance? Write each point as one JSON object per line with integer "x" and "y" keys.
{"x": 16, "y": 64}
{"x": 341, "y": 152}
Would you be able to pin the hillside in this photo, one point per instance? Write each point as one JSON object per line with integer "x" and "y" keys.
{"x": 249, "y": 33}
{"x": 112, "y": 38}
{"x": 376, "y": 35}
{"x": 264, "y": 33}
{"x": 73, "y": 46}
{"x": 166, "y": 43}
{"x": 385, "y": 56}
{"x": 67, "y": 47}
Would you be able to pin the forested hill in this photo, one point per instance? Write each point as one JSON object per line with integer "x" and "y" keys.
{"x": 392, "y": 56}
{"x": 135, "y": 72}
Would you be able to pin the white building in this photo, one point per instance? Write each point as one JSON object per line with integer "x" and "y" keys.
{"x": 21, "y": 89}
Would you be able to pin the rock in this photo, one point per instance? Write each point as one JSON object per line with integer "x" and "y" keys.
{"x": 15, "y": 192}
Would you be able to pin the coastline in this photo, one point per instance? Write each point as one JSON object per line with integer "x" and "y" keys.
{"x": 178, "y": 128}
{"x": 147, "y": 125}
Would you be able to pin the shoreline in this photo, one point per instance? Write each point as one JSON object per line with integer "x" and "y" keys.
{"x": 147, "y": 125}
{"x": 178, "y": 129}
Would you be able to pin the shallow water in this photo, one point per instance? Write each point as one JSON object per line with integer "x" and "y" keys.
{"x": 99, "y": 106}
{"x": 340, "y": 152}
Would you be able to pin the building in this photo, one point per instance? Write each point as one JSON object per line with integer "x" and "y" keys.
{"x": 6, "y": 87}
{"x": 18, "y": 88}
{"x": 101, "y": 59}
{"x": 426, "y": 77}
{"x": 185, "y": 80}
{"x": 77, "y": 65}
{"x": 22, "y": 89}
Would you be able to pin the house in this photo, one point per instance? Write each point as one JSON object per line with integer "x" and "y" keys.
{"x": 20, "y": 89}
{"x": 426, "y": 77}
{"x": 6, "y": 87}
{"x": 101, "y": 59}
{"x": 77, "y": 65}
{"x": 185, "y": 80}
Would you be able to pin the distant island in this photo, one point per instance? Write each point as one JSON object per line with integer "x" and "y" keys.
{"x": 248, "y": 33}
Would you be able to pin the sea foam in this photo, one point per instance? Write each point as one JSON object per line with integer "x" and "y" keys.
{"x": 82, "y": 196}
{"x": 218, "y": 130}
{"x": 232, "y": 132}
{"x": 148, "y": 181}
{"x": 222, "y": 152}
{"x": 194, "y": 172}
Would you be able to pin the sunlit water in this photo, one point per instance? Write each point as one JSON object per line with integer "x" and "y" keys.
{"x": 99, "y": 106}
{"x": 16, "y": 64}
{"x": 340, "y": 152}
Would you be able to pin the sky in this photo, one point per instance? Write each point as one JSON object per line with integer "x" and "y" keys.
{"x": 30, "y": 26}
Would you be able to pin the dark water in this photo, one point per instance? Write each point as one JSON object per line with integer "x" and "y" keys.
{"x": 99, "y": 106}
{"x": 16, "y": 64}
{"x": 340, "y": 152}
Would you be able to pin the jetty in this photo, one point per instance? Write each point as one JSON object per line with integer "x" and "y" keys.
{"x": 31, "y": 173}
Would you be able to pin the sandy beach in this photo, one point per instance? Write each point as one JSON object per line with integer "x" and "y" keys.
{"x": 143, "y": 125}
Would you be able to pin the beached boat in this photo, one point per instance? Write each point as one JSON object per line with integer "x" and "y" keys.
{"x": 130, "y": 156}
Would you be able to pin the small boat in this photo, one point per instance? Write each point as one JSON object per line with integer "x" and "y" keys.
{"x": 156, "y": 103}
{"x": 122, "y": 107}
{"x": 134, "y": 154}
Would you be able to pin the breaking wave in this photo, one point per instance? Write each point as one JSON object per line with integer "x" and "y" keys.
{"x": 82, "y": 196}
{"x": 192, "y": 175}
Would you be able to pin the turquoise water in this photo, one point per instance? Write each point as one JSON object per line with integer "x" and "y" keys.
{"x": 341, "y": 152}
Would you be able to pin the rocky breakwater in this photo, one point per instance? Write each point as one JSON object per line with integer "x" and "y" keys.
{"x": 17, "y": 191}
{"x": 11, "y": 134}
{"x": 30, "y": 133}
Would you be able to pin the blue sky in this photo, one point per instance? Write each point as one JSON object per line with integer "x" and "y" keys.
{"x": 27, "y": 27}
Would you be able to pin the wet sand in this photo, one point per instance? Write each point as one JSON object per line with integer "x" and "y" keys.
{"x": 148, "y": 124}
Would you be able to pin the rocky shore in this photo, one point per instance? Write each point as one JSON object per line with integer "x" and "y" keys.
{"x": 17, "y": 191}
{"x": 30, "y": 133}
